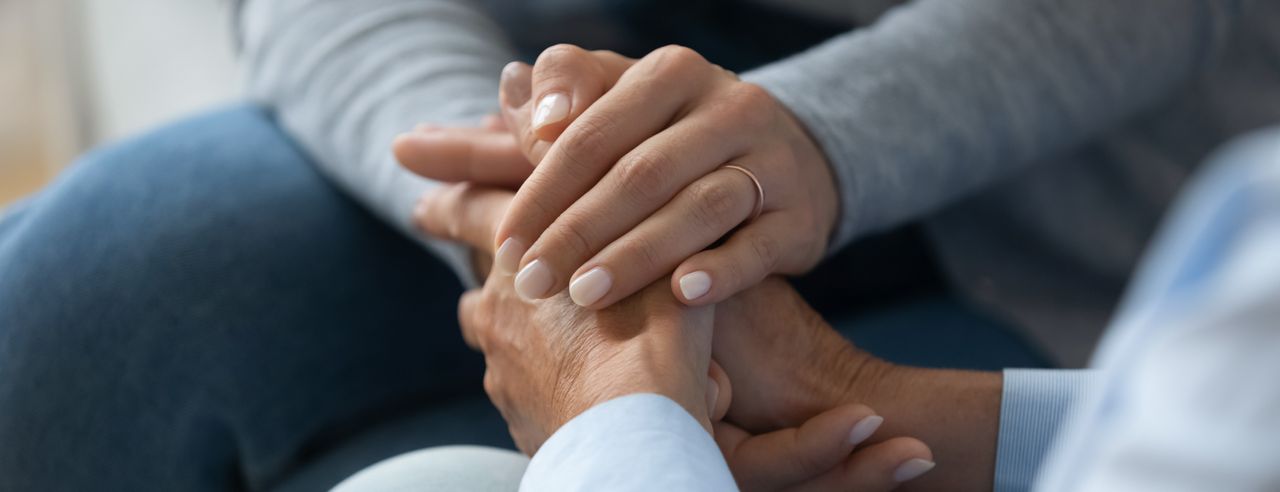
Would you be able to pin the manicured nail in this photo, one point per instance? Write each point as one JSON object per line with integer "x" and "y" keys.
{"x": 508, "y": 256}
{"x": 551, "y": 109}
{"x": 534, "y": 281}
{"x": 912, "y": 469}
{"x": 590, "y": 287}
{"x": 514, "y": 84}
{"x": 695, "y": 285}
{"x": 864, "y": 429}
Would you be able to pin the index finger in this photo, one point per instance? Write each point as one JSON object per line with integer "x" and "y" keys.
{"x": 643, "y": 102}
{"x": 463, "y": 212}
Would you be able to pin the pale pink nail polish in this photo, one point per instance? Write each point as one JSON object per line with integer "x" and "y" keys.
{"x": 912, "y": 469}
{"x": 590, "y": 287}
{"x": 534, "y": 281}
{"x": 695, "y": 285}
{"x": 507, "y": 259}
{"x": 864, "y": 429}
{"x": 552, "y": 108}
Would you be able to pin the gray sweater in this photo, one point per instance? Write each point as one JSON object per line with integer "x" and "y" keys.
{"x": 1039, "y": 141}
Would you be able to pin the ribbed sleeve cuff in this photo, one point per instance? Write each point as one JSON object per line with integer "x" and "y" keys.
{"x": 1034, "y": 405}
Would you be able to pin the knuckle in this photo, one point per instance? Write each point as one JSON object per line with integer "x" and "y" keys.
{"x": 644, "y": 174}
{"x": 558, "y": 66}
{"x": 587, "y": 135}
{"x": 675, "y": 59}
{"x": 766, "y": 250}
{"x": 570, "y": 238}
{"x": 559, "y": 54}
{"x": 807, "y": 463}
{"x": 643, "y": 252}
{"x": 747, "y": 105}
{"x": 712, "y": 203}
{"x": 491, "y": 386}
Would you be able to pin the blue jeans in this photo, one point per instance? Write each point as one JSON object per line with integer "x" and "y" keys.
{"x": 197, "y": 309}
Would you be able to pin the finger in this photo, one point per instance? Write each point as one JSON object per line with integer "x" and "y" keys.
{"x": 455, "y": 155}
{"x": 790, "y": 456}
{"x": 469, "y": 317}
{"x": 566, "y": 80}
{"x": 493, "y": 122}
{"x": 515, "y": 97}
{"x": 878, "y": 467}
{"x": 644, "y": 101}
{"x": 719, "y": 398}
{"x": 698, "y": 216}
{"x": 642, "y": 182}
{"x": 749, "y": 255}
{"x": 463, "y": 213}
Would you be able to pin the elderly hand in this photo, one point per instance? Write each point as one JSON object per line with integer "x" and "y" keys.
{"x": 550, "y": 360}
{"x": 635, "y": 184}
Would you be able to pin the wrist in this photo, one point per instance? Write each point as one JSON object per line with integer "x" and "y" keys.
{"x": 955, "y": 412}
{"x": 651, "y": 362}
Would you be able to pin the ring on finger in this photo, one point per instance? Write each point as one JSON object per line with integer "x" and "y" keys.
{"x": 755, "y": 212}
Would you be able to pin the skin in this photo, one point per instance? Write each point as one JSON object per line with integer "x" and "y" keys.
{"x": 788, "y": 368}
{"x": 625, "y": 183}
{"x": 550, "y": 360}
{"x": 787, "y": 363}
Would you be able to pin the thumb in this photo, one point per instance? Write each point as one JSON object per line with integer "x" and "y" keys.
{"x": 719, "y": 391}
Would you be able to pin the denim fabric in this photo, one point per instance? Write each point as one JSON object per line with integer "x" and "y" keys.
{"x": 198, "y": 309}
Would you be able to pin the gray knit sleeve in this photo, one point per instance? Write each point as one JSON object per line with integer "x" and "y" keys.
{"x": 346, "y": 76}
{"x": 942, "y": 97}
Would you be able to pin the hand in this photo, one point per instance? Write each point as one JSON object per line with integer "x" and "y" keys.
{"x": 550, "y": 360}
{"x": 633, "y": 186}
{"x": 788, "y": 365}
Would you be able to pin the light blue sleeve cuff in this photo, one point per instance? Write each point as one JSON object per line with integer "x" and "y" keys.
{"x": 637, "y": 442}
{"x": 1034, "y": 404}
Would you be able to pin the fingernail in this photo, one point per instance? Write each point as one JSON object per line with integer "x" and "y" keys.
{"x": 508, "y": 256}
{"x": 515, "y": 84}
{"x": 533, "y": 281}
{"x": 695, "y": 285}
{"x": 551, "y": 109}
{"x": 912, "y": 469}
{"x": 864, "y": 429}
{"x": 590, "y": 287}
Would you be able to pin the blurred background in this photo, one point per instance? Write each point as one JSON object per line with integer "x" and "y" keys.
{"x": 76, "y": 73}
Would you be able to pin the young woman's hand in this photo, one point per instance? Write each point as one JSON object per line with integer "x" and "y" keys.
{"x": 652, "y": 162}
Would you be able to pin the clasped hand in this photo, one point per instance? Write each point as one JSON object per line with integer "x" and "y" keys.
{"x": 549, "y": 360}
{"x": 630, "y": 182}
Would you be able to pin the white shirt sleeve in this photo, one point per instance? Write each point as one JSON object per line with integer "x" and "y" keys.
{"x": 1189, "y": 398}
{"x": 636, "y": 442}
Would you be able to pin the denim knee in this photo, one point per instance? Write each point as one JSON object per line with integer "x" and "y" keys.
{"x": 181, "y": 308}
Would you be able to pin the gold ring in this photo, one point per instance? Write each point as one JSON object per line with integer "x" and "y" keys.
{"x": 759, "y": 189}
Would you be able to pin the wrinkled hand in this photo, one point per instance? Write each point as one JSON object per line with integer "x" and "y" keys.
{"x": 633, "y": 186}
{"x": 550, "y": 360}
